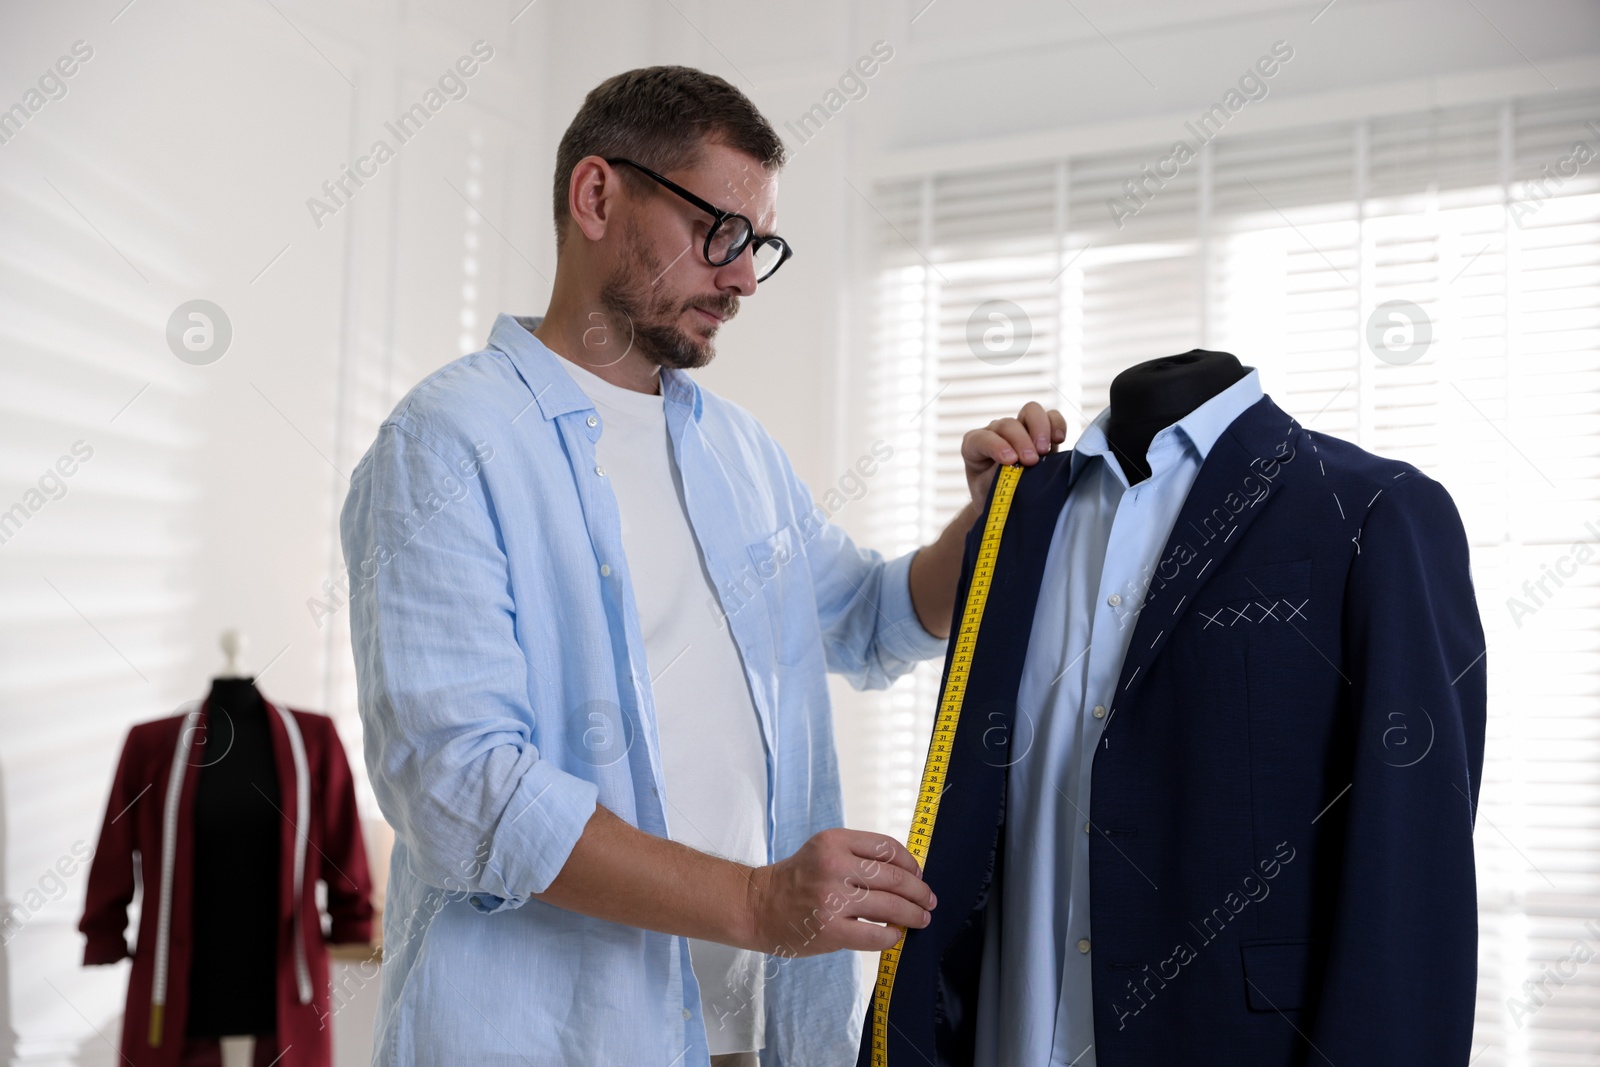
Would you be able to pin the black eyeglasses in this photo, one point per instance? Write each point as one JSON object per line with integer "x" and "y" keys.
{"x": 730, "y": 233}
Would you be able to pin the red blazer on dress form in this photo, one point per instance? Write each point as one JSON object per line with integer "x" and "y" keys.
{"x": 331, "y": 850}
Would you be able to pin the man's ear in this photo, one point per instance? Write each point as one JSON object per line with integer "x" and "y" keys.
{"x": 592, "y": 192}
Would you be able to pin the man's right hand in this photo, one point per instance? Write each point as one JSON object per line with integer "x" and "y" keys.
{"x": 833, "y": 893}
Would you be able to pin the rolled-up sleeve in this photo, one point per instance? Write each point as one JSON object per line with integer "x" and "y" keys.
{"x": 904, "y": 638}
{"x": 443, "y": 685}
{"x": 870, "y": 629}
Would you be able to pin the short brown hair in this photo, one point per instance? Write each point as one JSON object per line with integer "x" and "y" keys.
{"x": 660, "y": 117}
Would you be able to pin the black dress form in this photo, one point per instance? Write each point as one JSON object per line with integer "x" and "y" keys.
{"x": 238, "y": 830}
{"x": 1148, "y": 397}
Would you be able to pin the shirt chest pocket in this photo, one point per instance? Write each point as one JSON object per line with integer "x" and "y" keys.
{"x": 1255, "y": 600}
{"x": 782, "y": 584}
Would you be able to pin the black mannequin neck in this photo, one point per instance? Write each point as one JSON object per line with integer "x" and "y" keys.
{"x": 1148, "y": 397}
{"x": 238, "y": 695}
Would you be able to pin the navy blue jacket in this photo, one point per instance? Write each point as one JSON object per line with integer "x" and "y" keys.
{"x": 1281, "y": 871}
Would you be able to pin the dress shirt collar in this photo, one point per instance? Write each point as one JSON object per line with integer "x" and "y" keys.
{"x": 1199, "y": 429}
{"x": 553, "y": 388}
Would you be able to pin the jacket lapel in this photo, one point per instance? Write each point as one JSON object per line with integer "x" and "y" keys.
{"x": 985, "y": 732}
{"x": 975, "y": 777}
{"x": 963, "y": 849}
{"x": 166, "y": 1021}
{"x": 283, "y": 764}
{"x": 1007, "y": 626}
{"x": 1239, "y": 479}
{"x": 194, "y": 758}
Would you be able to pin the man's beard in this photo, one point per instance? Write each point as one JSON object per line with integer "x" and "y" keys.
{"x": 628, "y": 295}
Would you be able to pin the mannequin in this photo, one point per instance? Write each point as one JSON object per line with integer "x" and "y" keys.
{"x": 234, "y": 825}
{"x": 1148, "y": 397}
{"x": 233, "y": 969}
{"x": 1199, "y": 678}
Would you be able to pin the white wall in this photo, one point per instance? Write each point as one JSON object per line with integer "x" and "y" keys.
{"x": 178, "y": 166}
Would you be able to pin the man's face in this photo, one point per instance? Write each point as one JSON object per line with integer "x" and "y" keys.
{"x": 659, "y": 289}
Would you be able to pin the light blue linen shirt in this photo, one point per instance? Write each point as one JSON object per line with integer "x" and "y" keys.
{"x": 1036, "y": 1004}
{"x": 504, "y": 692}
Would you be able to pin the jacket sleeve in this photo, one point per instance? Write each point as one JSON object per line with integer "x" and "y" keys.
{"x": 346, "y": 876}
{"x": 1399, "y": 983}
{"x": 111, "y": 876}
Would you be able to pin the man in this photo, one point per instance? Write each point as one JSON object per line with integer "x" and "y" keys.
{"x": 608, "y": 801}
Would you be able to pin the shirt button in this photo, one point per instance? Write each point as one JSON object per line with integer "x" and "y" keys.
{"x": 601, "y": 471}
{"x": 686, "y": 1013}
{"x": 1099, "y": 711}
{"x": 475, "y": 902}
{"x": 605, "y": 570}
{"x": 1088, "y": 828}
{"x": 1114, "y": 599}
{"x": 1083, "y": 946}
{"x": 592, "y": 421}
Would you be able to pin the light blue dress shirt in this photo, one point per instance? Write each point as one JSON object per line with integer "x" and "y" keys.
{"x": 1036, "y": 1005}
{"x": 504, "y": 691}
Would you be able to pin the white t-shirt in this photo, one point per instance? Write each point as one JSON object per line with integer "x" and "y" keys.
{"x": 712, "y": 753}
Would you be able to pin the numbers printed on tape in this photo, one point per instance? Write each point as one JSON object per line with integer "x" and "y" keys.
{"x": 943, "y": 741}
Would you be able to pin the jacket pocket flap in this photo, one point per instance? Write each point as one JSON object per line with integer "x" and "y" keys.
{"x": 1275, "y": 974}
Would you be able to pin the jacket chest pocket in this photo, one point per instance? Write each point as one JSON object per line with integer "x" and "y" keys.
{"x": 1282, "y": 641}
{"x": 1255, "y": 600}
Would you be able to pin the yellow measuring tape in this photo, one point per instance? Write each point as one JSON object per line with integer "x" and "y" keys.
{"x": 944, "y": 736}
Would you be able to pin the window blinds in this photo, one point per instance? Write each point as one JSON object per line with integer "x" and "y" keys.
{"x": 1279, "y": 247}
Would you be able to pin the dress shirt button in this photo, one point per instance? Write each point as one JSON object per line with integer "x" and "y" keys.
{"x": 592, "y": 421}
{"x": 1088, "y": 828}
{"x": 605, "y": 570}
{"x": 601, "y": 471}
{"x": 475, "y": 902}
{"x": 686, "y": 1013}
{"x": 1083, "y": 946}
{"x": 1114, "y": 599}
{"x": 1099, "y": 711}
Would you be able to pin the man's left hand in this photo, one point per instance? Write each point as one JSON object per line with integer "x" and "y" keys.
{"x": 1033, "y": 433}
